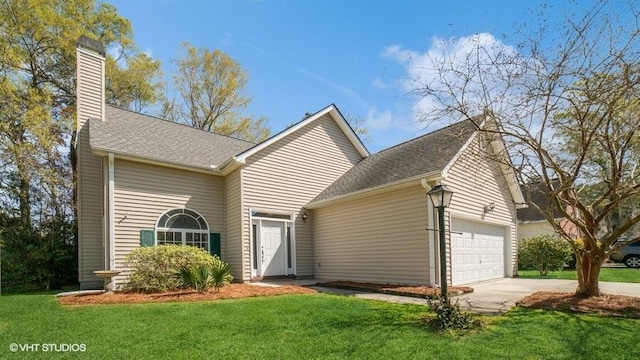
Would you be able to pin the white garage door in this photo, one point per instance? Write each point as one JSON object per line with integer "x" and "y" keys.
{"x": 477, "y": 251}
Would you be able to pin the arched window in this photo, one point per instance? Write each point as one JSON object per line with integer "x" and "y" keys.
{"x": 182, "y": 227}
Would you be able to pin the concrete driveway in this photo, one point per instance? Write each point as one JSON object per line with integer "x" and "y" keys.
{"x": 498, "y": 296}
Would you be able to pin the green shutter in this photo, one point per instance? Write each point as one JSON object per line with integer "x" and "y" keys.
{"x": 147, "y": 238}
{"x": 214, "y": 244}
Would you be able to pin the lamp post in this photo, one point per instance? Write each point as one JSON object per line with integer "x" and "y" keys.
{"x": 440, "y": 196}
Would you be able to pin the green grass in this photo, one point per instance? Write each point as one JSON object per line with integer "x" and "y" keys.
{"x": 301, "y": 327}
{"x": 606, "y": 274}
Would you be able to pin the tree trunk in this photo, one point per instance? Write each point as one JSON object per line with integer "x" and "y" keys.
{"x": 588, "y": 273}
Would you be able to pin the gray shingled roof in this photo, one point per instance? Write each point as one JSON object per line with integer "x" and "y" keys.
{"x": 152, "y": 138}
{"x": 536, "y": 193}
{"x": 422, "y": 155}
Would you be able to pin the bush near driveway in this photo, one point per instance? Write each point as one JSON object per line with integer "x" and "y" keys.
{"x": 543, "y": 253}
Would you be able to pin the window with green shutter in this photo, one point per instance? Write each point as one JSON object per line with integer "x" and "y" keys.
{"x": 147, "y": 238}
{"x": 214, "y": 244}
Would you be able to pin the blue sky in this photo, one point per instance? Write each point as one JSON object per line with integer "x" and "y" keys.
{"x": 304, "y": 55}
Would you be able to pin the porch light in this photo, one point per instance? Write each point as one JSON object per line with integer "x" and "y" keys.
{"x": 304, "y": 216}
{"x": 440, "y": 196}
{"x": 489, "y": 208}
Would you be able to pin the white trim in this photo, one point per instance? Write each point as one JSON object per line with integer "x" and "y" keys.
{"x": 462, "y": 149}
{"x": 183, "y": 231}
{"x": 102, "y": 90}
{"x": 294, "y": 258}
{"x": 508, "y": 251}
{"x": 255, "y": 220}
{"x": 509, "y": 174}
{"x": 432, "y": 242}
{"x": 104, "y": 221}
{"x": 155, "y": 226}
{"x": 431, "y": 176}
{"x": 111, "y": 214}
{"x": 331, "y": 110}
{"x": 477, "y": 218}
{"x": 507, "y": 171}
{"x": 211, "y": 170}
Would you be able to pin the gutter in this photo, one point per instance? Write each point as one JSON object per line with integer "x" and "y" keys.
{"x": 431, "y": 176}
{"x": 211, "y": 169}
{"x": 430, "y": 234}
{"x": 111, "y": 216}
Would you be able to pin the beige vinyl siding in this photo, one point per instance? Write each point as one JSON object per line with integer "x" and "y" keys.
{"x": 531, "y": 229}
{"x": 143, "y": 192}
{"x": 291, "y": 172}
{"x": 232, "y": 249}
{"x": 477, "y": 180}
{"x": 380, "y": 238}
{"x": 90, "y": 69}
{"x": 90, "y": 92}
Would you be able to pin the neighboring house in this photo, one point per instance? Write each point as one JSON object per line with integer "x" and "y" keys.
{"x": 308, "y": 202}
{"x": 532, "y": 220}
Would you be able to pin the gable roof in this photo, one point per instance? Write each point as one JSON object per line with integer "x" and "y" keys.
{"x": 427, "y": 154}
{"x": 535, "y": 193}
{"x": 332, "y": 110}
{"x": 145, "y": 137}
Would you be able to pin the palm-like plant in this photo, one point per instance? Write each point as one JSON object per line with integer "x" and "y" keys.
{"x": 204, "y": 276}
{"x": 220, "y": 275}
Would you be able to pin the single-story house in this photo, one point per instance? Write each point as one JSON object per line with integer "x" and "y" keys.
{"x": 309, "y": 202}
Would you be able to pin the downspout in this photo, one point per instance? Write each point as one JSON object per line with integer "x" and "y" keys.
{"x": 111, "y": 215}
{"x": 431, "y": 237}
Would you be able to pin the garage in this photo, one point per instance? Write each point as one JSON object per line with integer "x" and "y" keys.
{"x": 477, "y": 251}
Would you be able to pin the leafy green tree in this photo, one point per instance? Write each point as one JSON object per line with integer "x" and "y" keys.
{"x": 134, "y": 85}
{"x": 211, "y": 95}
{"x": 37, "y": 72}
{"x": 37, "y": 114}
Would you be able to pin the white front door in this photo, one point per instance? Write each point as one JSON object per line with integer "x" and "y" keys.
{"x": 477, "y": 251}
{"x": 273, "y": 248}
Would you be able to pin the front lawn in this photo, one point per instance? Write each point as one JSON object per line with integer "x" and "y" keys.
{"x": 300, "y": 327}
{"x": 606, "y": 274}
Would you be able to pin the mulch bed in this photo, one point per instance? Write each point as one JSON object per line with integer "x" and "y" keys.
{"x": 232, "y": 291}
{"x": 422, "y": 292}
{"x": 608, "y": 305}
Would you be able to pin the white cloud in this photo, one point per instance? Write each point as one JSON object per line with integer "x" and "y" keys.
{"x": 148, "y": 52}
{"x": 379, "y": 120}
{"x": 397, "y": 53}
{"x": 379, "y": 84}
{"x": 456, "y": 63}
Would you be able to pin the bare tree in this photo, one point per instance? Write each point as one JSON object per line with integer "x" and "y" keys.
{"x": 566, "y": 104}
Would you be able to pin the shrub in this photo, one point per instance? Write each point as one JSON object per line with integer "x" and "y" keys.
{"x": 544, "y": 253}
{"x": 204, "y": 276}
{"x": 449, "y": 317}
{"x": 157, "y": 268}
{"x": 38, "y": 257}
